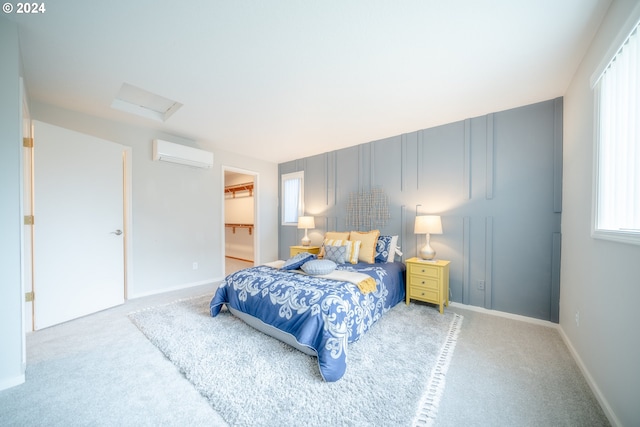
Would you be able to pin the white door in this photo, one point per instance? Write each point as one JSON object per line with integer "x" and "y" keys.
{"x": 78, "y": 227}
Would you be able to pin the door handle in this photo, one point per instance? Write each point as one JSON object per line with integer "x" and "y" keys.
{"x": 117, "y": 232}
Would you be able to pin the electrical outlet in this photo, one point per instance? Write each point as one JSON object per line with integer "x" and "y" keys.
{"x": 195, "y": 265}
{"x": 578, "y": 318}
{"x": 481, "y": 285}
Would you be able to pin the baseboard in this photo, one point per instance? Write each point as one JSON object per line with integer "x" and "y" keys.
{"x": 175, "y": 288}
{"x": 604, "y": 403}
{"x": 12, "y": 382}
{"x": 505, "y": 315}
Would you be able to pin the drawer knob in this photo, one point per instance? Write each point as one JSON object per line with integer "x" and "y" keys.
{"x": 423, "y": 282}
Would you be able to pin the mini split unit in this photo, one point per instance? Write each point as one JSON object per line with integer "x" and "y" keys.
{"x": 166, "y": 151}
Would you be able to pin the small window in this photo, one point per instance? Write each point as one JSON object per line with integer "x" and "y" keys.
{"x": 616, "y": 213}
{"x": 292, "y": 197}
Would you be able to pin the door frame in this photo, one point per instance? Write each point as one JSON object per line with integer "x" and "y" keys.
{"x": 256, "y": 216}
{"x": 26, "y": 208}
{"x": 127, "y": 216}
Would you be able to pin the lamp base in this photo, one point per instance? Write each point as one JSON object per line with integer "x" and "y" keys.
{"x": 306, "y": 241}
{"x": 427, "y": 252}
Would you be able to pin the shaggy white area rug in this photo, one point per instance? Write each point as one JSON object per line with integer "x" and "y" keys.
{"x": 395, "y": 374}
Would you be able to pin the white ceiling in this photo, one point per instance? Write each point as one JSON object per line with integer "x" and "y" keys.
{"x": 280, "y": 80}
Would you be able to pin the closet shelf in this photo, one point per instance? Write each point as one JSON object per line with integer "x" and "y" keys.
{"x": 234, "y": 226}
{"x": 247, "y": 186}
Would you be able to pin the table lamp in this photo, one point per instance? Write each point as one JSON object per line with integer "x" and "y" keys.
{"x": 428, "y": 224}
{"x": 306, "y": 222}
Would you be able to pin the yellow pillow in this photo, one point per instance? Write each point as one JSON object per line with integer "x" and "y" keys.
{"x": 333, "y": 235}
{"x": 368, "y": 246}
{"x": 338, "y": 235}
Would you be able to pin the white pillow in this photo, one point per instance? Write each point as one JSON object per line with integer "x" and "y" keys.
{"x": 393, "y": 248}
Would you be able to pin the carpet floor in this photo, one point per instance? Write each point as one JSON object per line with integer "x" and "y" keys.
{"x": 100, "y": 370}
{"x": 395, "y": 373}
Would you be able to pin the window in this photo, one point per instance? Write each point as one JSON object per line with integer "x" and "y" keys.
{"x": 617, "y": 138}
{"x": 292, "y": 197}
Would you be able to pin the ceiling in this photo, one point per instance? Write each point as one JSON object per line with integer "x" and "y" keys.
{"x": 280, "y": 80}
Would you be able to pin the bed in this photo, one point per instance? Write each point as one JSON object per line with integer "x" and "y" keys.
{"x": 317, "y": 314}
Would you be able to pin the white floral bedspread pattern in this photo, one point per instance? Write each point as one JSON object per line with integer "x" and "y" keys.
{"x": 320, "y": 313}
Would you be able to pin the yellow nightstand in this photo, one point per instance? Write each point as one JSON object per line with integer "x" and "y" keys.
{"x": 293, "y": 250}
{"x": 428, "y": 281}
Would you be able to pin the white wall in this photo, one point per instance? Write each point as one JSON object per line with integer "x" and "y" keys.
{"x": 11, "y": 298}
{"x": 177, "y": 211}
{"x": 600, "y": 279}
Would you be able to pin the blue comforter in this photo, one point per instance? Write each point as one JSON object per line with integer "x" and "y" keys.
{"x": 322, "y": 314}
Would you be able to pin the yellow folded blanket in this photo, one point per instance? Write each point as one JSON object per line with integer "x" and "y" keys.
{"x": 367, "y": 285}
{"x": 364, "y": 282}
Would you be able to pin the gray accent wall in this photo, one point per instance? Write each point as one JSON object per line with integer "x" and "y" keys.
{"x": 496, "y": 180}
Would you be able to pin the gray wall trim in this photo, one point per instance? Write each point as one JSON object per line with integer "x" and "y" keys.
{"x": 555, "y": 278}
{"x": 325, "y": 158}
{"x": 467, "y": 160}
{"x": 403, "y": 160}
{"x": 466, "y": 267}
{"x": 403, "y": 231}
{"x": 360, "y": 168}
{"x": 411, "y": 224}
{"x": 334, "y": 164}
{"x": 488, "y": 266}
{"x": 490, "y": 173}
{"x": 419, "y": 159}
{"x": 557, "y": 155}
{"x": 372, "y": 166}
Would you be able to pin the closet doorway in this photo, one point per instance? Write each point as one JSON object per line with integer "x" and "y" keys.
{"x": 239, "y": 219}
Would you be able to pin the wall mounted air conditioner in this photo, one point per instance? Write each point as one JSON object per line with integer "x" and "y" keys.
{"x": 176, "y": 153}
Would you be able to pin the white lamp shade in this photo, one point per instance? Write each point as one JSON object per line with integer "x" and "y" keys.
{"x": 306, "y": 222}
{"x": 428, "y": 224}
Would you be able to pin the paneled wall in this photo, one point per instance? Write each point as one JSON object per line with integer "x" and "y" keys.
{"x": 496, "y": 180}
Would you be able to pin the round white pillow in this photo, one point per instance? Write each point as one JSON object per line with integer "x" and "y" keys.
{"x": 318, "y": 267}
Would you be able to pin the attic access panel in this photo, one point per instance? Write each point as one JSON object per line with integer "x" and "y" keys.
{"x": 132, "y": 99}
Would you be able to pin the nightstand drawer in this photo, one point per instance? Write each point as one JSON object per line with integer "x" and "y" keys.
{"x": 294, "y": 250}
{"x": 427, "y": 283}
{"x": 423, "y": 294}
{"x": 424, "y": 270}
